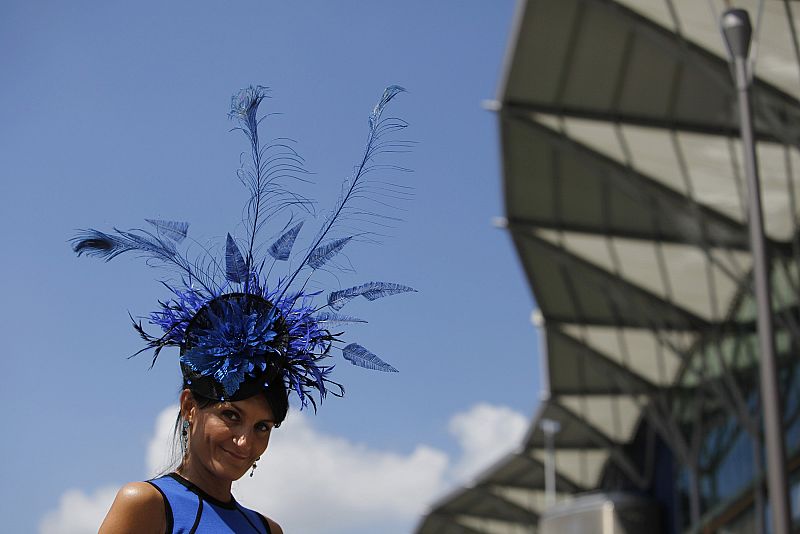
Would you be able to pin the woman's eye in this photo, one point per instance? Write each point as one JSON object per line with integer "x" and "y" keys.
{"x": 263, "y": 427}
{"x": 233, "y": 416}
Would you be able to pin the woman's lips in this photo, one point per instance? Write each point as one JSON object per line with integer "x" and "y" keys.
{"x": 234, "y": 455}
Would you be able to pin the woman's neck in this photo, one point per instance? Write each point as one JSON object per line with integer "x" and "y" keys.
{"x": 200, "y": 476}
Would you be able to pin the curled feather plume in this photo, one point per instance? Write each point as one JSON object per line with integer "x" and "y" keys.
{"x": 251, "y": 322}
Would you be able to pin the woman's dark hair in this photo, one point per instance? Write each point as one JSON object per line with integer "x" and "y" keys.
{"x": 278, "y": 403}
{"x": 275, "y": 394}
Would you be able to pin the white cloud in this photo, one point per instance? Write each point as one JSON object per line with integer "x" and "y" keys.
{"x": 350, "y": 487}
{"x": 77, "y": 512}
{"x": 159, "y": 450}
{"x": 486, "y": 433}
{"x": 347, "y": 485}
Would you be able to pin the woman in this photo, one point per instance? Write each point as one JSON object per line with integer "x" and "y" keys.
{"x": 245, "y": 341}
{"x": 224, "y": 441}
{"x": 220, "y": 440}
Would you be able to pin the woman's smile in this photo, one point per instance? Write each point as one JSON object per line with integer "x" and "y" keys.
{"x": 238, "y": 457}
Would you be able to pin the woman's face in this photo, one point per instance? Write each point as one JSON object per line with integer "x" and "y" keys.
{"x": 227, "y": 437}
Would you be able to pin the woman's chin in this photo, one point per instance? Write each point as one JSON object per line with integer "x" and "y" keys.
{"x": 236, "y": 474}
{"x": 230, "y": 472}
{"x": 231, "y": 467}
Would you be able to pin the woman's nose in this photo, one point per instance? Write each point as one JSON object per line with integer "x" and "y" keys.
{"x": 242, "y": 440}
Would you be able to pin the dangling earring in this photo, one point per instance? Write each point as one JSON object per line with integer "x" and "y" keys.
{"x": 185, "y": 436}
{"x": 254, "y": 466}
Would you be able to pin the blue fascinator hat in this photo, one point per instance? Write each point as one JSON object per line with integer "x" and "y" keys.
{"x": 239, "y": 329}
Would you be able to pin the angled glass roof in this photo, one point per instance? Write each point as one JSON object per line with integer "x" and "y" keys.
{"x": 624, "y": 195}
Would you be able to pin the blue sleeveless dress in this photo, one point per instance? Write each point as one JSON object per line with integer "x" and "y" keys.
{"x": 190, "y": 510}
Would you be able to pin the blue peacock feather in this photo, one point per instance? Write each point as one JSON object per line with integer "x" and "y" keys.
{"x": 295, "y": 333}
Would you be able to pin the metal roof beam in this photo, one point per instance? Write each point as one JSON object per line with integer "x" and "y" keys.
{"x": 685, "y": 52}
{"x": 616, "y": 453}
{"x": 612, "y": 323}
{"x": 525, "y": 109}
{"x": 634, "y": 182}
{"x": 499, "y": 508}
{"x": 562, "y": 481}
{"x": 623, "y": 376}
{"x": 601, "y": 440}
{"x": 562, "y": 255}
{"x": 702, "y": 58}
{"x": 450, "y": 520}
{"x": 532, "y": 223}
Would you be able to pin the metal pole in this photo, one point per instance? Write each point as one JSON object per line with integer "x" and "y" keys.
{"x": 550, "y": 428}
{"x": 737, "y": 31}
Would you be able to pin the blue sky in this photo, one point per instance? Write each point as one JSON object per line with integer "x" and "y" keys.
{"x": 116, "y": 111}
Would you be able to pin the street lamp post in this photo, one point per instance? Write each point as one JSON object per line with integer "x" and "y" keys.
{"x": 737, "y": 31}
{"x": 550, "y": 428}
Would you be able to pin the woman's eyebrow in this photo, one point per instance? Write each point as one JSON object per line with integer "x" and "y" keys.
{"x": 229, "y": 406}
{"x": 267, "y": 420}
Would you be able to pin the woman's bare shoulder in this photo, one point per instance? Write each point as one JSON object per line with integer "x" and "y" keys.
{"x": 274, "y": 528}
{"x": 138, "y": 507}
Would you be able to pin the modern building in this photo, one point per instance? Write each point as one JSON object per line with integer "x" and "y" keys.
{"x": 625, "y": 197}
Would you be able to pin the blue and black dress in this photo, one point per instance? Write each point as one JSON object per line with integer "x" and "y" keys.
{"x": 190, "y": 510}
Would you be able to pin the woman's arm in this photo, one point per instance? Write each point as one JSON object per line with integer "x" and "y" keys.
{"x": 138, "y": 508}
